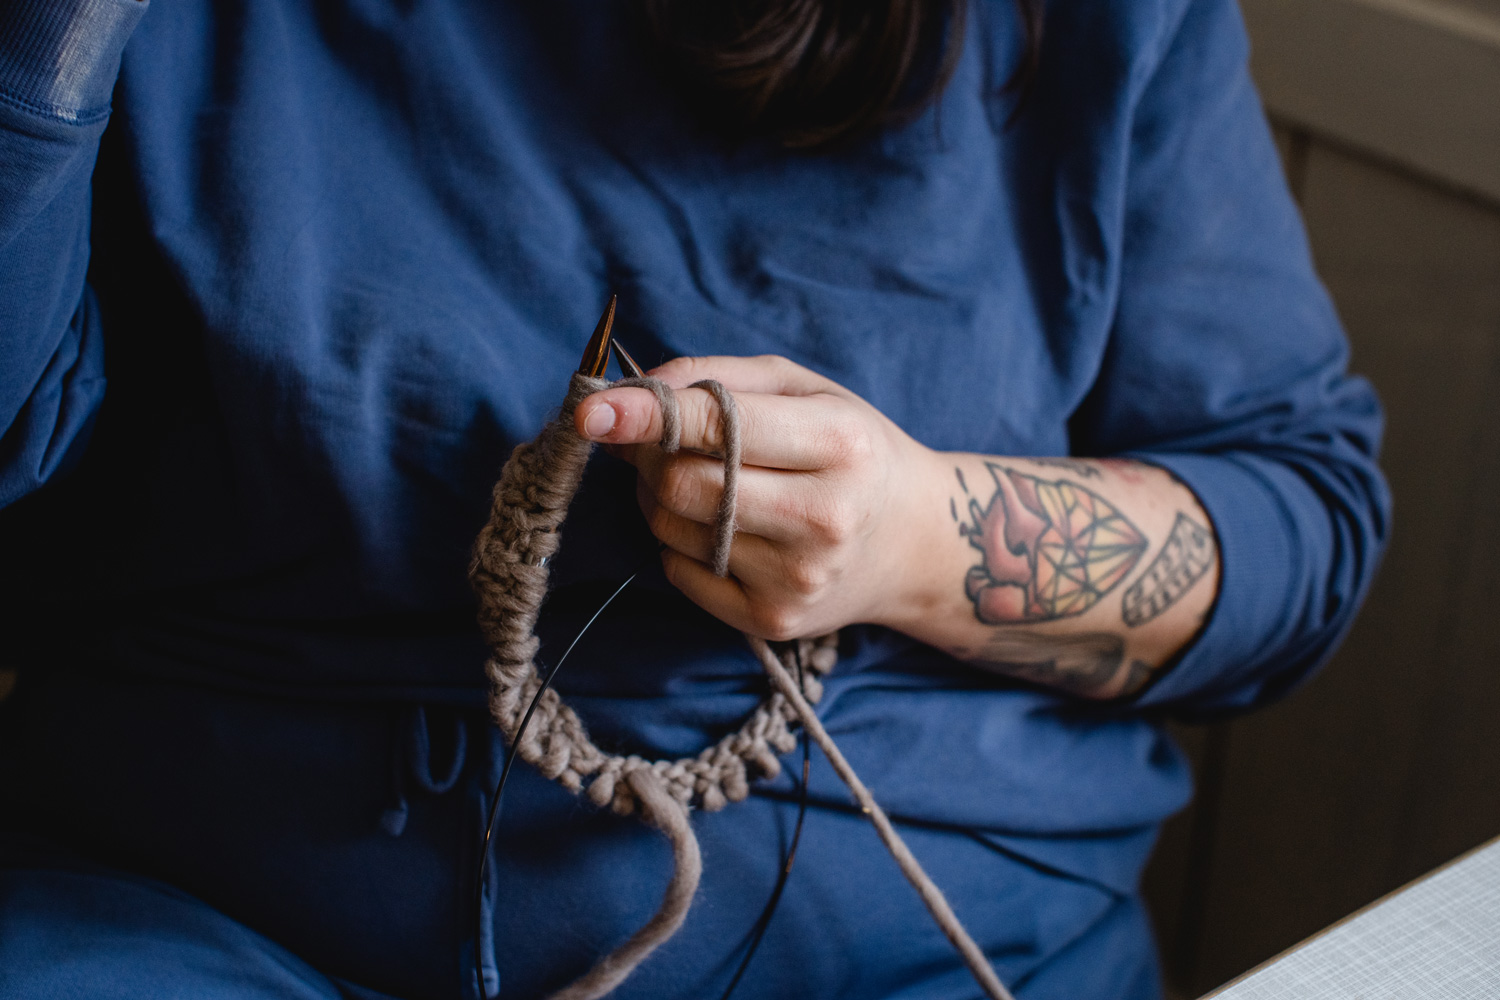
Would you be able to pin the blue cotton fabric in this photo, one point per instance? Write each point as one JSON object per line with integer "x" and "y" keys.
{"x": 281, "y": 285}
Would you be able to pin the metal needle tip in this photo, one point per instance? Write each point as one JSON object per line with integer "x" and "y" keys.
{"x": 596, "y": 354}
{"x": 627, "y": 363}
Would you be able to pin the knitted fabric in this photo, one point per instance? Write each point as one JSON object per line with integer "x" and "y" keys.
{"x": 509, "y": 574}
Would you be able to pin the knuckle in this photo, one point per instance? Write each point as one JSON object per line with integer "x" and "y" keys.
{"x": 806, "y": 578}
{"x": 773, "y": 622}
{"x": 802, "y": 380}
{"x": 680, "y": 367}
{"x": 849, "y": 440}
{"x": 660, "y": 521}
{"x": 859, "y": 444}
{"x": 674, "y": 570}
{"x": 678, "y": 490}
{"x": 707, "y": 427}
{"x": 687, "y": 370}
{"x": 786, "y": 371}
{"x": 832, "y": 521}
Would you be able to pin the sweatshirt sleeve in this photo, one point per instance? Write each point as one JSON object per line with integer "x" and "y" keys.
{"x": 1227, "y": 367}
{"x": 58, "y": 63}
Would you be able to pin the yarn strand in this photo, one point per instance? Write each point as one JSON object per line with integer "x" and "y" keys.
{"x": 499, "y": 793}
{"x": 932, "y": 896}
{"x": 659, "y": 809}
{"x": 509, "y": 575}
{"x": 729, "y": 421}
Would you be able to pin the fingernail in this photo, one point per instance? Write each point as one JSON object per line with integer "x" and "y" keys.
{"x": 599, "y": 422}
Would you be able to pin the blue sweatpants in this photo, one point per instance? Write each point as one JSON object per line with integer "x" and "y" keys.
{"x": 174, "y": 842}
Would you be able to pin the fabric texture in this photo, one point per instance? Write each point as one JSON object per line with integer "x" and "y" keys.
{"x": 270, "y": 326}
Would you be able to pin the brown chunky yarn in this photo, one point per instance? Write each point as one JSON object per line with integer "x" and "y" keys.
{"x": 509, "y": 574}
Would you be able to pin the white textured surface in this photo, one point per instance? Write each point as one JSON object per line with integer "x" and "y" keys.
{"x": 1437, "y": 940}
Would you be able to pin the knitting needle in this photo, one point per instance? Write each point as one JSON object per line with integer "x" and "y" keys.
{"x": 627, "y": 363}
{"x": 596, "y": 354}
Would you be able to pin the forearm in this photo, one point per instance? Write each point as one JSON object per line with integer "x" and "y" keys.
{"x": 1087, "y": 576}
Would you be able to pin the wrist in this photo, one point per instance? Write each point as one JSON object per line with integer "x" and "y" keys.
{"x": 923, "y": 550}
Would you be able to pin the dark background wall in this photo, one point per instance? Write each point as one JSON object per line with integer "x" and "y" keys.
{"x": 1388, "y": 118}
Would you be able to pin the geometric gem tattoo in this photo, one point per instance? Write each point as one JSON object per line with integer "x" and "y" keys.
{"x": 1049, "y": 549}
{"x": 1188, "y": 554}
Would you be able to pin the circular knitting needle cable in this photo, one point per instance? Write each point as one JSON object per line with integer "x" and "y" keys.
{"x": 764, "y": 921}
{"x": 510, "y": 759}
{"x": 785, "y": 869}
{"x": 508, "y": 573}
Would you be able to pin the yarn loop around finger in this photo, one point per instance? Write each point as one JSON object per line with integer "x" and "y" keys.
{"x": 509, "y": 573}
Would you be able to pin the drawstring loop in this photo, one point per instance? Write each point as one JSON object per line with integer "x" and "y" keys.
{"x": 421, "y": 753}
{"x": 411, "y": 753}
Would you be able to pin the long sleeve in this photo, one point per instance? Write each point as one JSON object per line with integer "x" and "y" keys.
{"x": 58, "y": 63}
{"x": 1227, "y": 366}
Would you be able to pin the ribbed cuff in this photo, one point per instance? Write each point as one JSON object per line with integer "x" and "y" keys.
{"x": 61, "y": 57}
{"x": 1261, "y": 577}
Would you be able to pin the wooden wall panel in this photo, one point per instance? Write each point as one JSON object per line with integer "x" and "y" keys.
{"x": 1389, "y": 763}
{"x": 1412, "y": 81}
{"x": 1432, "y": 341}
{"x": 1488, "y": 7}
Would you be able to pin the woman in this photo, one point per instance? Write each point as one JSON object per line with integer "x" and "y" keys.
{"x": 269, "y": 335}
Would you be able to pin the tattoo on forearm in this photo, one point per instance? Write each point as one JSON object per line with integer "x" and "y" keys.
{"x": 1136, "y": 676}
{"x": 1072, "y": 465}
{"x": 1084, "y": 664}
{"x": 1186, "y": 557}
{"x": 1048, "y": 548}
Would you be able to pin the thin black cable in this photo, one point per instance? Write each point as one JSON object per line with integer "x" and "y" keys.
{"x": 761, "y": 923}
{"x": 510, "y": 759}
{"x": 764, "y": 920}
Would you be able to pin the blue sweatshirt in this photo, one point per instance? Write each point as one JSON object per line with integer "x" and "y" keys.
{"x": 281, "y": 284}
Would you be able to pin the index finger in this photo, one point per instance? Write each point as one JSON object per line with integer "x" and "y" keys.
{"x": 799, "y": 433}
{"x": 768, "y": 373}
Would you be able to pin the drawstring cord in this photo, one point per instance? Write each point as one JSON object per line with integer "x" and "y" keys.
{"x": 411, "y": 754}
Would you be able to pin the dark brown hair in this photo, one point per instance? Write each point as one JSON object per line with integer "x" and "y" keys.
{"x": 818, "y": 73}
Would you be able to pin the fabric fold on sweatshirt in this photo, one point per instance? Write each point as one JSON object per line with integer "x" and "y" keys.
{"x": 262, "y": 360}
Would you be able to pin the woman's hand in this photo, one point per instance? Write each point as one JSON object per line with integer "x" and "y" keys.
{"x": 1082, "y": 575}
{"x": 830, "y": 494}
